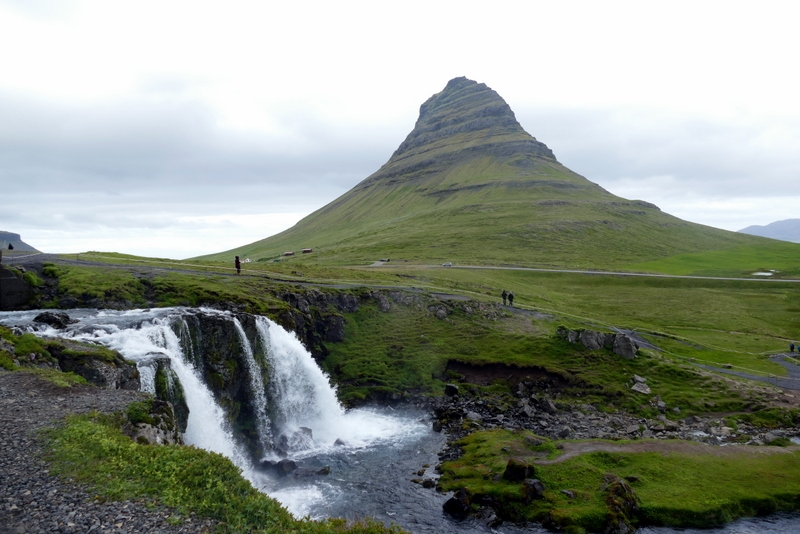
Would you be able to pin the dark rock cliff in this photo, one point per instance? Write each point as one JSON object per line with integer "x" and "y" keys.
{"x": 467, "y": 119}
{"x": 316, "y": 317}
{"x": 215, "y": 347}
{"x": 15, "y": 292}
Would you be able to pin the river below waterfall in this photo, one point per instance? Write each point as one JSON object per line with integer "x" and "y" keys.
{"x": 379, "y": 449}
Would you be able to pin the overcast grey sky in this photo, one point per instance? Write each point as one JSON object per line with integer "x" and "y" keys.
{"x": 175, "y": 129}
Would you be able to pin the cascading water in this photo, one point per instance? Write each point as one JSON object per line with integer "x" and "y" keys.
{"x": 257, "y": 389}
{"x": 377, "y": 449}
{"x": 304, "y": 406}
{"x": 140, "y": 342}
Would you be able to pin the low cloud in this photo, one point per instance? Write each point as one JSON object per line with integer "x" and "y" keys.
{"x": 138, "y": 167}
{"x": 727, "y": 172}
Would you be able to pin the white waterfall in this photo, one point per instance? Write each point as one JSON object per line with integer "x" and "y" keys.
{"x": 297, "y": 404}
{"x": 207, "y": 427}
{"x": 301, "y": 394}
{"x": 257, "y": 389}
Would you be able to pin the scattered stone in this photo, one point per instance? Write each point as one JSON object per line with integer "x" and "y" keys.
{"x": 641, "y": 388}
{"x": 451, "y": 390}
{"x": 548, "y": 406}
{"x": 310, "y": 472}
{"x": 532, "y": 489}
{"x": 488, "y": 517}
{"x": 625, "y": 346}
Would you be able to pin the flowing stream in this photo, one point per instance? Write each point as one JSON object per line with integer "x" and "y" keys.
{"x": 372, "y": 453}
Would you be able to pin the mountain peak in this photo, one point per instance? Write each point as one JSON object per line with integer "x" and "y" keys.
{"x": 465, "y": 105}
{"x": 466, "y": 119}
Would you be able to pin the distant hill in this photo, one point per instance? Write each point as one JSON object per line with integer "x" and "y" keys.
{"x": 468, "y": 184}
{"x": 16, "y": 241}
{"x": 786, "y": 230}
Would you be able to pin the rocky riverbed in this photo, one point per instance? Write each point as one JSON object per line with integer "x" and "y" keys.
{"x": 34, "y": 501}
{"x": 460, "y": 412}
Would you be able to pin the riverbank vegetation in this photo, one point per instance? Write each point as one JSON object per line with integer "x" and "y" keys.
{"x": 92, "y": 450}
{"x": 674, "y": 483}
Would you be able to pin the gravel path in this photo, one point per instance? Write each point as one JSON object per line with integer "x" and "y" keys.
{"x": 791, "y": 381}
{"x": 33, "y": 501}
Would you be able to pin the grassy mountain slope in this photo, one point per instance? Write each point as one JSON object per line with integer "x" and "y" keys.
{"x": 470, "y": 185}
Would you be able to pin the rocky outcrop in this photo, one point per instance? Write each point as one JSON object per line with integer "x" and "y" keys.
{"x": 463, "y": 110}
{"x": 213, "y": 344}
{"x": 621, "y": 344}
{"x": 535, "y": 408}
{"x": 15, "y": 292}
{"x": 156, "y": 427}
{"x": 316, "y": 317}
{"x": 167, "y": 386}
{"x": 98, "y": 365}
{"x": 517, "y": 470}
{"x": 622, "y": 503}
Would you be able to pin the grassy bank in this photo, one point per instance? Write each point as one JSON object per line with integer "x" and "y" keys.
{"x": 677, "y": 484}
{"x": 92, "y": 450}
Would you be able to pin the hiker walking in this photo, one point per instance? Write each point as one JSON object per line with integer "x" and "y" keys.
{"x": 791, "y": 347}
{"x": 238, "y": 265}
{"x": 510, "y": 298}
{"x": 505, "y": 296}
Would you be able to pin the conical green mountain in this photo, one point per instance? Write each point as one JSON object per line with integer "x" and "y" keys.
{"x": 469, "y": 185}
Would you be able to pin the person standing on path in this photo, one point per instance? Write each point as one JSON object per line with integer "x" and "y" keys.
{"x": 238, "y": 265}
{"x": 505, "y": 296}
{"x": 791, "y": 347}
{"x": 510, "y": 298}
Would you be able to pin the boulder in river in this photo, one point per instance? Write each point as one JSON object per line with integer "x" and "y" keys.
{"x": 58, "y": 320}
{"x": 458, "y": 505}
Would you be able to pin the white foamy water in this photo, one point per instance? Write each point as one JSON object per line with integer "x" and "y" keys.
{"x": 256, "y": 388}
{"x": 300, "y": 393}
{"x": 139, "y": 342}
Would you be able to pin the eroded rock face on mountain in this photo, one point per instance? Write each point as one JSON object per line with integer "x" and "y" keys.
{"x": 467, "y": 119}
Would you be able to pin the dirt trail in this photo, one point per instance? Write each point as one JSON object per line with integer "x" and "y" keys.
{"x": 573, "y": 449}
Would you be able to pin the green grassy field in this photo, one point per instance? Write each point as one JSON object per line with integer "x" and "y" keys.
{"x": 684, "y": 484}
{"x": 716, "y": 321}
